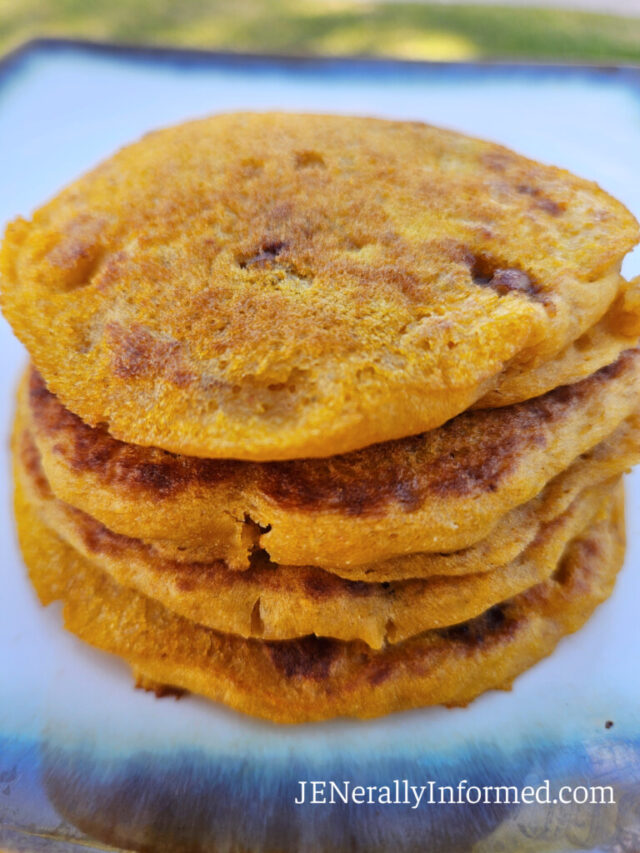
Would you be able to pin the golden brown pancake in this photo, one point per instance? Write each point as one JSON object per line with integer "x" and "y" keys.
{"x": 272, "y": 286}
{"x": 281, "y": 602}
{"x": 317, "y": 678}
{"x": 59, "y": 434}
{"x": 519, "y": 527}
{"x": 442, "y": 491}
{"x": 600, "y": 345}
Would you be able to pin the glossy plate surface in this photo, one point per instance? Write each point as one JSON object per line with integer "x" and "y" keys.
{"x": 86, "y": 762}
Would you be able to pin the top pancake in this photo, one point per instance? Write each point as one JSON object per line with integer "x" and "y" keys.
{"x": 273, "y": 286}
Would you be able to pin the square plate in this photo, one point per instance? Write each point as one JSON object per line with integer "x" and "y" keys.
{"x": 88, "y": 763}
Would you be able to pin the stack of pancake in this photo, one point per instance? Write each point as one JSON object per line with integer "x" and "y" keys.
{"x": 326, "y": 416}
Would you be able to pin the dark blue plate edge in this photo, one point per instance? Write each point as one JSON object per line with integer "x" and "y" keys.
{"x": 626, "y": 74}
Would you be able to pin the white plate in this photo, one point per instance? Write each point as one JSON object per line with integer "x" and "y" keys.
{"x": 83, "y": 755}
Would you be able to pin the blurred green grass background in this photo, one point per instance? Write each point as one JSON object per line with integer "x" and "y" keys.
{"x": 335, "y": 27}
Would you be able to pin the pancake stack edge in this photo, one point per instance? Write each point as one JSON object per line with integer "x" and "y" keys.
{"x": 407, "y": 508}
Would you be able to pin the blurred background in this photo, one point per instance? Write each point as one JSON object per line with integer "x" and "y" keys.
{"x": 565, "y": 30}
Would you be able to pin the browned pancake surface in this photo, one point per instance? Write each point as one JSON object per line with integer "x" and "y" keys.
{"x": 441, "y": 491}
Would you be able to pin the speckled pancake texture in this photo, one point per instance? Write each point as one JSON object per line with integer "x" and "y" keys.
{"x": 441, "y": 491}
{"x": 315, "y": 678}
{"x": 276, "y": 286}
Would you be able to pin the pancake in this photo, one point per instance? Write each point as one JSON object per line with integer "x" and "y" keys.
{"x": 145, "y": 493}
{"x": 519, "y": 527}
{"x": 439, "y": 492}
{"x": 600, "y": 345}
{"x": 314, "y": 678}
{"x": 281, "y": 602}
{"x": 273, "y": 286}
{"x": 59, "y": 433}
